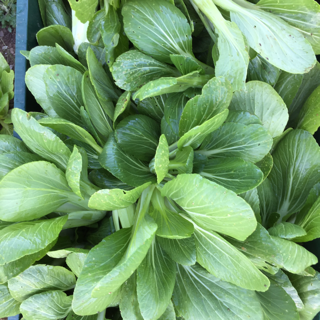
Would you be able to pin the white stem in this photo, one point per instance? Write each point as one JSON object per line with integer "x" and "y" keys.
{"x": 79, "y": 31}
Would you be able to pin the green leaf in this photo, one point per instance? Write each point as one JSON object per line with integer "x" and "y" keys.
{"x": 75, "y": 262}
{"x": 42, "y": 55}
{"x": 114, "y": 199}
{"x": 161, "y": 159}
{"x": 155, "y": 282}
{"x": 309, "y": 83}
{"x": 288, "y": 85}
{"x": 232, "y": 173}
{"x": 69, "y": 60}
{"x": 309, "y": 114}
{"x": 293, "y": 178}
{"x": 46, "y": 306}
{"x": 133, "y": 69}
{"x": 286, "y": 230}
{"x": 35, "y": 83}
{"x": 261, "y": 99}
{"x": 84, "y": 9}
{"x": 71, "y": 130}
{"x": 276, "y": 41}
{"x": 99, "y": 52}
{"x": 10, "y": 161}
{"x": 224, "y": 261}
{"x": 73, "y": 316}
{"x": 142, "y": 236}
{"x": 122, "y": 104}
{"x": 171, "y": 85}
{"x": 211, "y": 206}
{"x": 138, "y": 136}
{"x": 299, "y": 14}
{"x": 308, "y": 288}
{"x": 40, "y": 278}
{"x": 102, "y": 83}
{"x": 170, "y": 224}
{"x": 281, "y": 279}
{"x": 40, "y": 139}
{"x": 182, "y": 251}
{"x": 197, "y": 135}
{"x": 251, "y": 143}
{"x": 78, "y": 219}
{"x": 200, "y": 295}
{"x": 98, "y": 115}
{"x": 157, "y": 28}
{"x": 215, "y": 98}
{"x": 73, "y": 171}
{"x": 260, "y": 69}
{"x": 277, "y": 304}
{"x": 153, "y": 107}
{"x": 63, "y": 253}
{"x": 126, "y": 168}
{"x": 186, "y": 64}
{"x": 10, "y": 144}
{"x": 265, "y": 165}
{"x": 95, "y": 268}
{"x": 26, "y": 238}
{"x": 51, "y": 35}
{"x": 105, "y": 180}
{"x": 183, "y": 162}
{"x": 38, "y": 188}
{"x": 7, "y": 80}
{"x": 4, "y": 66}
{"x": 63, "y": 87}
{"x": 9, "y": 306}
{"x": 252, "y": 198}
{"x": 57, "y": 14}
{"x": 310, "y": 223}
{"x": 129, "y": 306}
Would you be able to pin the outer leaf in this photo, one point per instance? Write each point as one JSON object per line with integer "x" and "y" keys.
{"x": 47, "y": 305}
{"x": 277, "y": 42}
{"x": 182, "y": 251}
{"x": 115, "y": 198}
{"x": 51, "y": 35}
{"x": 126, "y": 168}
{"x": 157, "y": 28}
{"x": 153, "y": 107}
{"x": 262, "y": 100}
{"x": 277, "y": 304}
{"x": 186, "y": 64}
{"x": 9, "y": 306}
{"x": 84, "y": 9}
{"x": 10, "y": 144}
{"x": 211, "y": 206}
{"x": 232, "y": 173}
{"x": 95, "y": 268}
{"x": 40, "y": 278}
{"x": 308, "y": 288}
{"x": 222, "y": 260}
{"x": 73, "y": 171}
{"x": 161, "y": 160}
{"x": 215, "y": 98}
{"x": 129, "y": 306}
{"x": 310, "y": 223}
{"x": 35, "y": 83}
{"x": 155, "y": 282}
{"x": 286, "y": 230}
{"x": 260, "y": 69}
{"x": 141, "y": 239}
{"x": 252, "y": 198}
{"x": 71, "y": 130}
{"x": 265, "y": 165}
{"x": 295, "y": 171}
{"x": 133, "y": 69}
{"x": 299, "y": 14}
{"x": 200, "y": 295}
{"x": 40, "y": 139}
{"x": 196, "y": 135}
{"x": 251, "y": 143}
{"x": 121, "y": 106}
{"x": 17, "y": 240}
{"x": 63, "y": 86}
{"x": 138, "y": 135}
{"x": 75, "y": 262}
{"x": 309, "y": 114}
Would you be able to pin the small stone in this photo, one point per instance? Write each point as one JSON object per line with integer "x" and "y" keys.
{"x": 1, "y": 33}
{"x": 4, "y": 47}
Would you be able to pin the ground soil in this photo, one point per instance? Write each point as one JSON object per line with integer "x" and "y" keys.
{"x": 8, "y": 45}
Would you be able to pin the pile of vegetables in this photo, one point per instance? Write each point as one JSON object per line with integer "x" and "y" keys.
{"x": 173, "y": 172}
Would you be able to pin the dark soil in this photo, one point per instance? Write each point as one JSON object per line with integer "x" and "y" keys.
{"x": 8, "y": 45}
